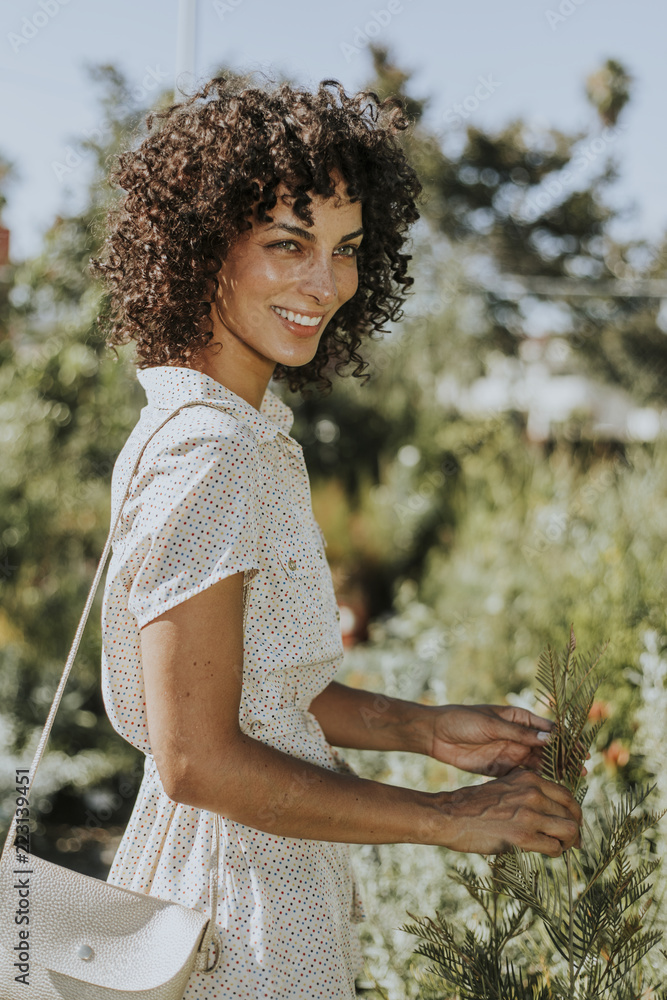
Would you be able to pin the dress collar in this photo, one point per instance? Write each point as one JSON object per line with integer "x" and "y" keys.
{"x": 167, "y": 386}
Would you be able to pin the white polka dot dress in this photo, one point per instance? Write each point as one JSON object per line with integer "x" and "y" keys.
{"x": 215, "y": 494}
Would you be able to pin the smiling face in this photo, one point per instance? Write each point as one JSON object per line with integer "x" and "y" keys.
{"x": 279, "y": 287}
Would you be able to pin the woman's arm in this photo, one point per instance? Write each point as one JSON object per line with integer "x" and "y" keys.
{"x": 192, "y": 663}
{"x": 483, "y": 739}
{"x": 365, "y": 720}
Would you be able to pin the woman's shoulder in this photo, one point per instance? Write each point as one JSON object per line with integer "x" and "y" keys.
{"x": 193, "y": 429}
{"x": 197, "y": 442}
{"x": 196, "y": 423}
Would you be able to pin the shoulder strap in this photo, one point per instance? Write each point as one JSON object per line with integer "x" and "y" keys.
{"x": 77, "y": 639}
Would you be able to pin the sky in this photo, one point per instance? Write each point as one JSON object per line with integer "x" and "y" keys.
{"x": 531, "y": 55}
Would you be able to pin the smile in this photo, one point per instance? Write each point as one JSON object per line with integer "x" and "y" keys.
{"x": 298, "y": 318}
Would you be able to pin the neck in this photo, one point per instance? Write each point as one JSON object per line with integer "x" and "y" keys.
{"x": 235, "y": 365}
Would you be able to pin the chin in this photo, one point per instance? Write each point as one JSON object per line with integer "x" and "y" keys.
{"x": 296, "y": 358}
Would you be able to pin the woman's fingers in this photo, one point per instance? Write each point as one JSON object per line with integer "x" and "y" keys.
{"x": 514, "y": 732}
{"x": 522, "y": 717}
{"x": 525, "y": 727}
{"x": 555, "y": 827}
{"x": 550, "y": 846}
{"x": 521, "y": 809}
{"x": 560, "y": 795}
{"x": 544, "y": 814}
{"x": 517, "y": 725}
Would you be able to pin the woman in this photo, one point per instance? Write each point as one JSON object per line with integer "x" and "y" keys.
{"x": 261, "y": 238}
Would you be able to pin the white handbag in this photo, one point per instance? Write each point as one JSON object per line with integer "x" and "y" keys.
{"x": 80, "y": 938}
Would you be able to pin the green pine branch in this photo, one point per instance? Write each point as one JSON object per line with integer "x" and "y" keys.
{"x": 588, "y": 906}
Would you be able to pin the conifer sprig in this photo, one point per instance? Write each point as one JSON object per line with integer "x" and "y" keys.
{"x": 588, "y": 906}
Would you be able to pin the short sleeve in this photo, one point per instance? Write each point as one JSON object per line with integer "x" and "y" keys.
{"x": 195, "y": 504}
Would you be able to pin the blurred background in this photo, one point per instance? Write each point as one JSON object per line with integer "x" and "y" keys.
{"x": 502, "y": 474}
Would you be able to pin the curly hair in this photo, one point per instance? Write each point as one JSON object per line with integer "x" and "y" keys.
{"x": 192, "y": 183}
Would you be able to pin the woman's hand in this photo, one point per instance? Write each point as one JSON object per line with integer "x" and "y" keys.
{"x": 520, "y": 809}
{"x": 488, "y": 739}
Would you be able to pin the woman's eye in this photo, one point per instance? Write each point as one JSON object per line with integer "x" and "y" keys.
{"x": 354, "y": 250}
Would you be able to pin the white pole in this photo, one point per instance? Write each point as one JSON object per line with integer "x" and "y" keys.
{"x": 185, "y": 48}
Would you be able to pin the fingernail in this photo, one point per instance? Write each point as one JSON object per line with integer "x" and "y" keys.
{"x": 543, "y": 736}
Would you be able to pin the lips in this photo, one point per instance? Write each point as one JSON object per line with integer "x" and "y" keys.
{"x": 299, "y": 329}
{"x": 298, "y": 316}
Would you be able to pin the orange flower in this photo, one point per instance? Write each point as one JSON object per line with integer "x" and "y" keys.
{"x": 600, "y": 710}
{"x": 616, "y": 755}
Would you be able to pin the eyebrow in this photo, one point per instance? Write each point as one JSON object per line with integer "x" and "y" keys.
{"x": 304, "y": 234}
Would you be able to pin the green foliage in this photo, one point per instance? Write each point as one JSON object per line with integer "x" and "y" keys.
{"x": 469, "y": 550}
{"x": 590, "y": 904}
{"x": 464, "y": 631}
{"x": 608, "y": 90}
{"x": 476, "y": 963}
{"x": 567, "y": 686}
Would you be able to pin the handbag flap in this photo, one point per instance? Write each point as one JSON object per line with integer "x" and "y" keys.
{"x": 94, "y": 931}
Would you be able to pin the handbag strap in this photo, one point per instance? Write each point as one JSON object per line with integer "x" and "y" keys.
{"x": 213, "y": 871}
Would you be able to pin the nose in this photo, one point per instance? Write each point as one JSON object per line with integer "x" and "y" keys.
{"x": 318, "y": 279}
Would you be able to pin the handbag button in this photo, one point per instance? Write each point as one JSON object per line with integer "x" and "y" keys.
{"x": 85, "y": 952}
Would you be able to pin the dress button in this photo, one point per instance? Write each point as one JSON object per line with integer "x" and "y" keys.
{"x": 292, "y": 564}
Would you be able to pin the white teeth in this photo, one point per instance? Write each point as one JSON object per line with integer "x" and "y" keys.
{"x": 297, "y": 317}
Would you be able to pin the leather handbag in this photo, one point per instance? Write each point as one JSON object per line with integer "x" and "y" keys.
{"x": 72, "y": 937}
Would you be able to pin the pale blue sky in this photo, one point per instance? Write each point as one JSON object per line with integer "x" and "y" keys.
{"x": 537, "y": 69}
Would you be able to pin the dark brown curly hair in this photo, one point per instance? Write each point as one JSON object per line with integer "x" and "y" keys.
{"x": 192, "y": 184}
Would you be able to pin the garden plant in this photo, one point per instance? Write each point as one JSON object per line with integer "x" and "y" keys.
{"x": 570, "y": 928}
